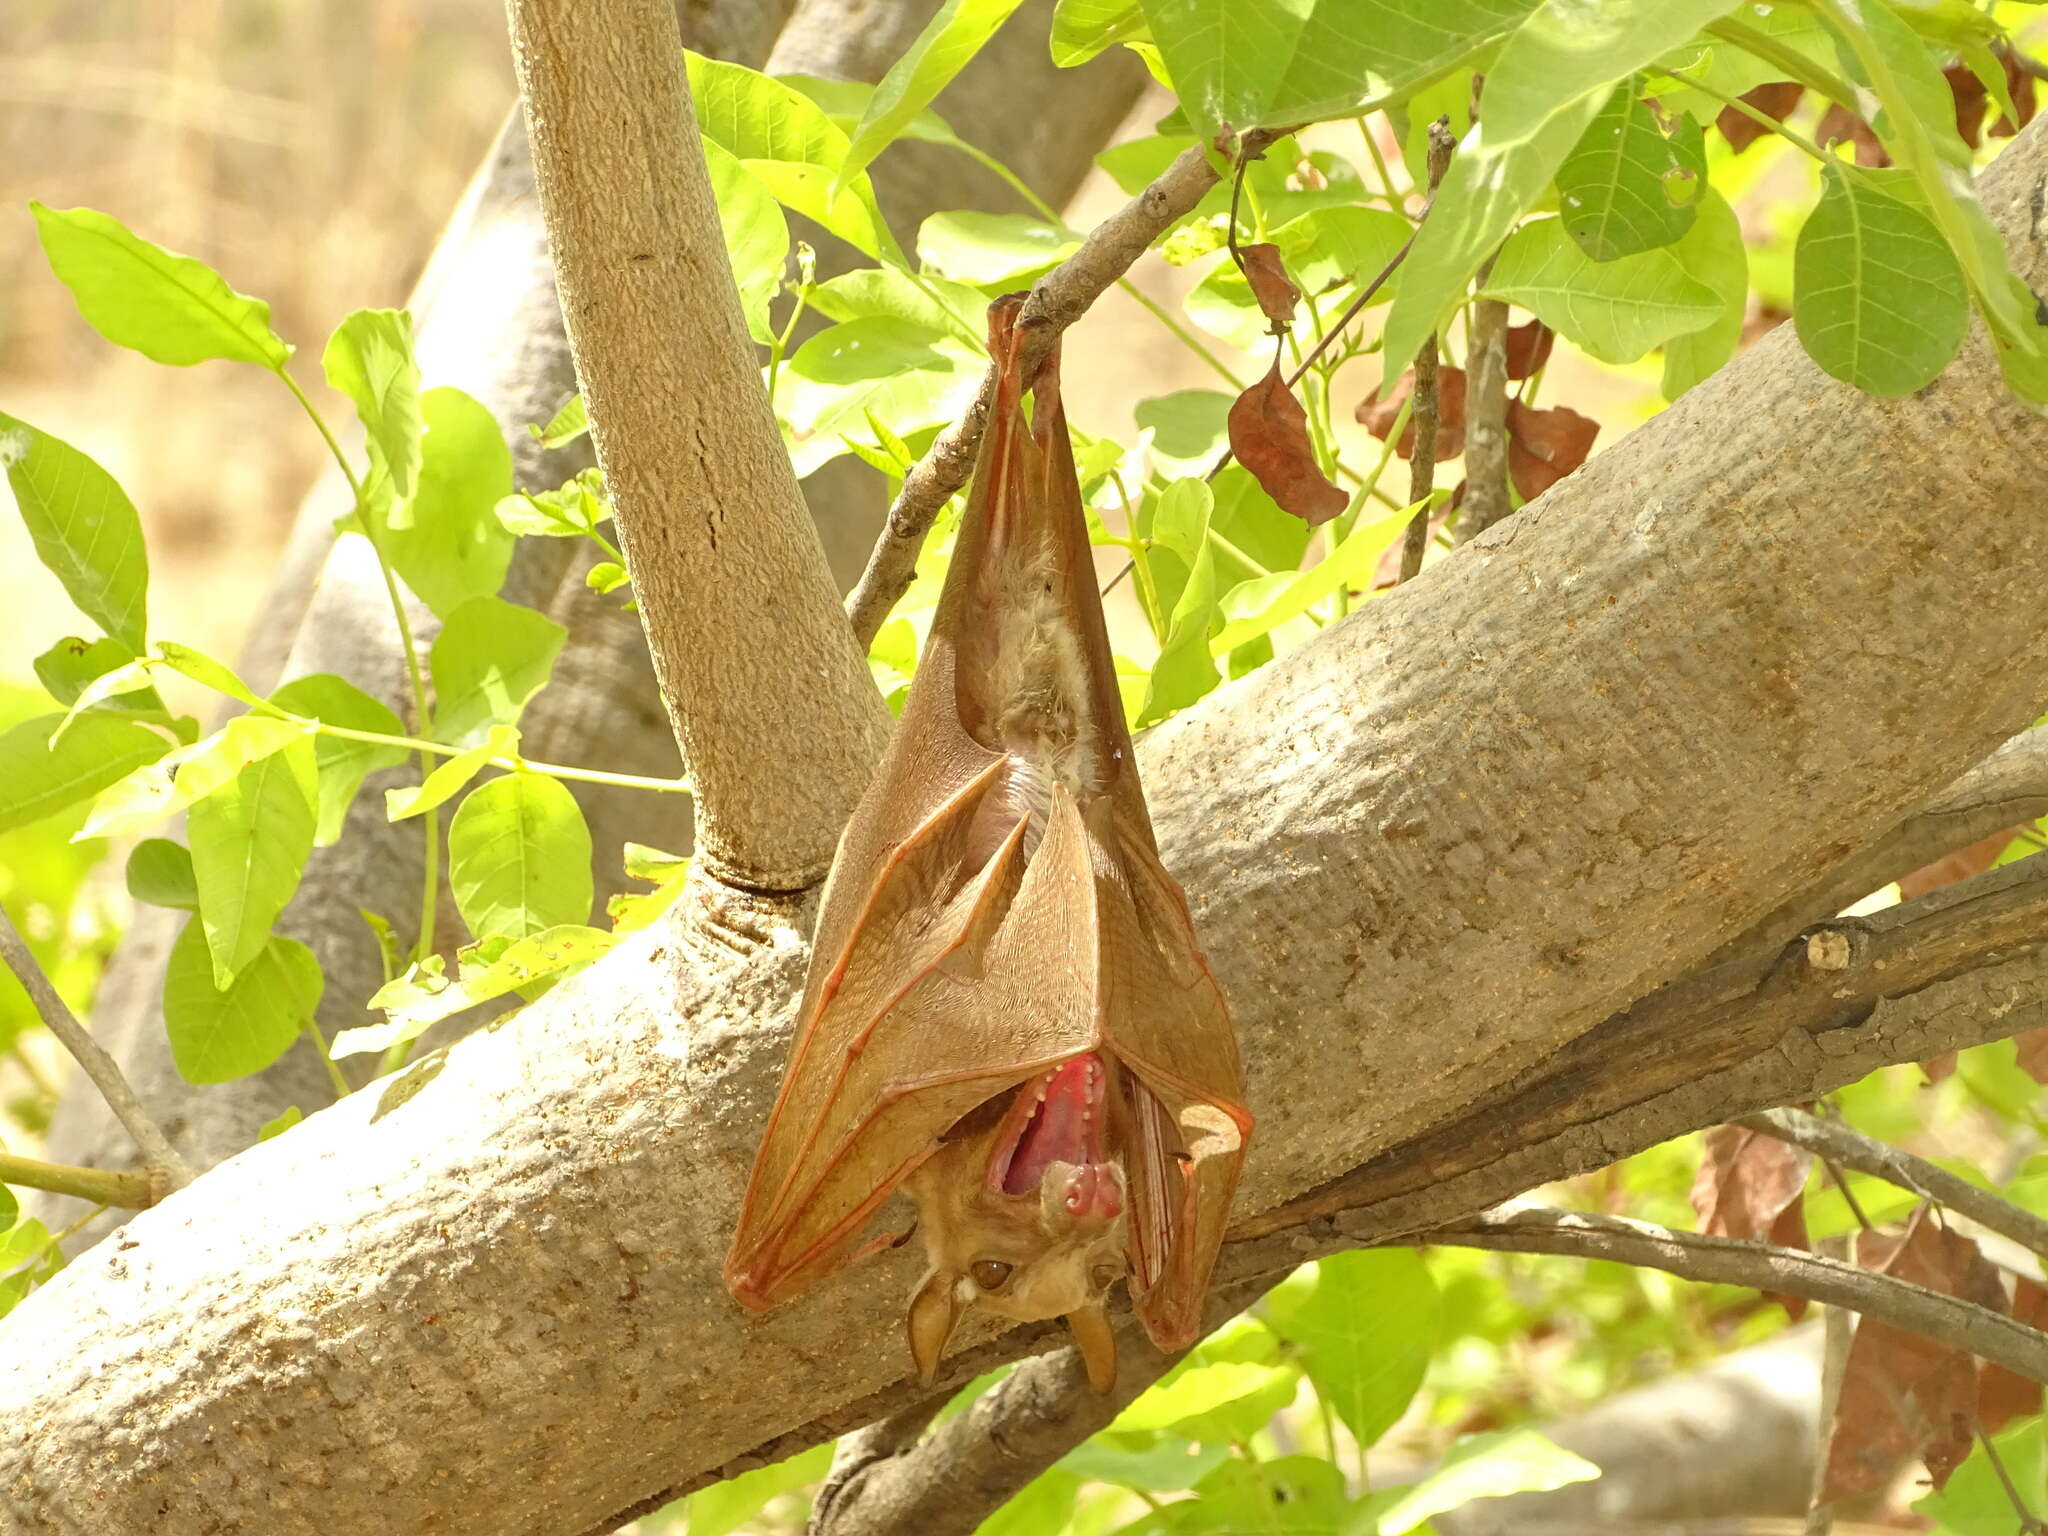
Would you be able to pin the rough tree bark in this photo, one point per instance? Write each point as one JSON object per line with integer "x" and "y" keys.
{"x": 489, "y": 322}
{"x": 1681, "y": 686}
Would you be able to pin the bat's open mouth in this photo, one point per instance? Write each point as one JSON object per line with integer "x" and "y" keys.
{"x": 1061, "y": 1118}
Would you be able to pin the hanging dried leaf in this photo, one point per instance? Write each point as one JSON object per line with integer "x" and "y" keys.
{"x": 1903, "y": 1395}
{"x": 1378, "y": 416}
{"x": 2003, "y": 1396}
{"x": 1971, "y": 101}
{"x": 1939, "y": 1069}
{"x": 1528, "y": 348}
{"x": 1271, "y": 285}
{"x": 2020, "y": 85}
{"x": 1839, "y": 123}
{"x": 1960, "y": 865}
{"x": 1775, "y": 100}
{"x": 2033, "y": 1053}
{"x": 1546, "y": 445}
{"x": 1269, "y": 435}
{"x": 1752, "y": 1186}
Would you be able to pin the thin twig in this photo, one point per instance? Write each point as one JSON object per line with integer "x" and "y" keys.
{"x": 1848, "y": 1195}
{"x": 1837, "y": 1143}
{"x": 103, "y": 1186}
{"x": 1057, "y": 300}
{"x": 1422, "y": 446}
{"x": 168, "y": 1170}
{"x": 1486, "y": 417}
{"x": 2030, "y": 1524}
{"x": 1935, "y": 1315}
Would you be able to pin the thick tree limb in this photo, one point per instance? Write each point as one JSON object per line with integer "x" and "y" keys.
{"x": 773, "y": 706}
{"x": 1057, "y": 300}
{"x": 1758, "y": 1266}
{"x": 1849, "y": 1148}
{"x": 1644, "y": 731}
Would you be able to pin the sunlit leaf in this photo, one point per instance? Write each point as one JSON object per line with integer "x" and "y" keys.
{"x": 250, "y": 837}
{"x": 938, "y": 53}
{"x": 38, "y": 780}
{"x": 84, "y": 528}
{"x": 220, "y": 1035}
{"x": 160, "y": 873}
{"x": 1484, "y": 1466}
{"x": 1627, "y": 186}
{"x": 1614, "y": 310}
{"x": 369, "y": 359}
{"x": 451, "y": 547}
{"x": 489, "y": 659}
{"x": 343, "y": 764}
{"x": 519, "y": 857}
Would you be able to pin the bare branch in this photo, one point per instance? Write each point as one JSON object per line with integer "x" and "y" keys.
{"x": 167, "y": 1169}
{"x": 772, "y": 703}
{"x": 1866, "y": 1154}
{"x": 1486, "y": 418}
{"x": 1696, "y": 1256}
{"x": 1057, "y": 300}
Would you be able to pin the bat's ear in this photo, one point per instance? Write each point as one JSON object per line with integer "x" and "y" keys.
{"x": 1096, "y": 1342}
{"x": 933, "y": 1311}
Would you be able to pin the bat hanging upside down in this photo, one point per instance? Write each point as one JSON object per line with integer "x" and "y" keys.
{"x": 1007, "y": 1014}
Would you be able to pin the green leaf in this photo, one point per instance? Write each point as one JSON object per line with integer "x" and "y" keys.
{"x": 173, "y": 780}
{"x": 1083, "y": 28}
{"x": 992, "y": 250}
{"x": 1253, "y": 521}
{"x": 1487, "y": 1466}
{"x": 425, "y": 995}
{"x": 489, "y": 659}
{"x": 572, "y": 510}
{"x": 279, "y": 1123}
{"x": 727, "y": 1506}
{"x": 218, "y": 1035}
{"x": 1877, "y": 296}
{"x": 907, "y": 376}
{"x": 38, "y": 780}
{"x": 884, "y": 293}
{"x": 566, "y": 426}
{"x": 606, "y": 576}
{"x": 160, "y": 873}
{"x": 369, "y": 359}
{"x": 1627, "y": 187}
{"x": 170, "y": 308}
{"x": 937, "y": 54}
{"x": 1569, "y": 52}
{"x": 502, "y": 741}
{"x": 1211, "y": 1400}
{"x": 1041, "y": 1506}
{"x": 74, "y": 663}
{"x": 1615, "y": 310}
{"x": 756, "y": 236}
{"x": 451, "y": 547}
{"x": 1167, "y": 1466}
{"x": 1366, "y": 1332}
{"x": 1713, "y": 254}
{"x": 787, "y": 141}
{"x": 84, "y": 528}
{"x": 1185, "y": 671}
{"x": 1486, "y": 189}
{"x": 1188, "y": 428}
{"x": 343, "y": 764}
{"x": 250, "y": 838}
{"x": 1261, "y": 605}
{"x": 1239, "y": 64}
{"x": 519, "y": 857}
{"x": 10, "y": 1208}
{"x": 205, "y": 671}
{"x": 1278, "y": 1496}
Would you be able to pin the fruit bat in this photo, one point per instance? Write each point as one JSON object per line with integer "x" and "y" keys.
{"x": 1007, "y": 1015}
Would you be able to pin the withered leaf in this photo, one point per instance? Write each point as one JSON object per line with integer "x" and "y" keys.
{"x": 1839, "y": 123}
{"x": 2003, "y": 1396}
{"x": 1903, "y": 1395}
{"x": 1775, "y": 99}
{"x": 1271, "y": 285}
{"x": 2021, "y": 85}
{"x": 1960, "y": 865}
{"x": 1528, "y": 348}
{"x": 1971, "y": 100}
{"x": 1269, "y": 435}
{"x": 1378, "y": 416}
{"x": 1546, "y": 445}
{"x": 1752, "y": 1186}
{"x": 2033, "y": 1053}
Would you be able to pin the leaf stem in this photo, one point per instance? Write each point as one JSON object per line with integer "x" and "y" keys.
{"x": 1791, "y": 136}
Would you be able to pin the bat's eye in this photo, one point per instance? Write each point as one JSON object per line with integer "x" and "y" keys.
{"x": 990, "y": 1274}
{"x": 1102, "y": 1276}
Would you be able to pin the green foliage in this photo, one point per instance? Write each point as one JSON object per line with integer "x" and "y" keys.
{"x": 369, "y": 359}
{"x": 84, "y": 527}
{"x": 250, "y": 837}
{"x": 220, "y": 1033}
{"x": 1627, "y": 186}
{"x": 519, "y": 857}
{"x": 489, "y": 659}
{"x": 1365, "y": 1333}
{"x": 448, "y": 544}
{"x": 935, "y": 56}
{"x": 1615, "y": 310}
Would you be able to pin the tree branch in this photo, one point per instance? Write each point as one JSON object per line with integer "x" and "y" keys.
{"x": 1850, "y": 1148}
{"x": 99, "y": 1185}
{"x": 1486, "y": 417}
{"x": 1057, "y": 300}
{"x": 1936, "y": 1315}
{"x": 1628, "y": 789}
{"x": 777, "y": 717}
{"x": 167, "y": 1170}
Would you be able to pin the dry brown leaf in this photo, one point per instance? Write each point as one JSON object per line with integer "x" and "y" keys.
{"x": 1528, "y": 348}
{"x": 1775, "y": 99}
{"x": 1960, "y": 865}
{"x": 1748, "y": 1181}
{"x": 1839, "y": 123}
{"x": 2021, "y": 85}
{"x": 2003, "y": 1396}
{"x": 1271, "y": 285}
{"x": 1971, "y": 101}
{"x": 1903, "y": 1395}
{"x": 1939, "y": 1069}
{"x": 1546, "y": 445}
{"x": 2033, "y": 1053}
{"x": 1269, "y": 435}
{"x": 1378, "y": 416}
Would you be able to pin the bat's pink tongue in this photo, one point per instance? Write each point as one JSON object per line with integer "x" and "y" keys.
{"x": 1067, "y": 1128}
